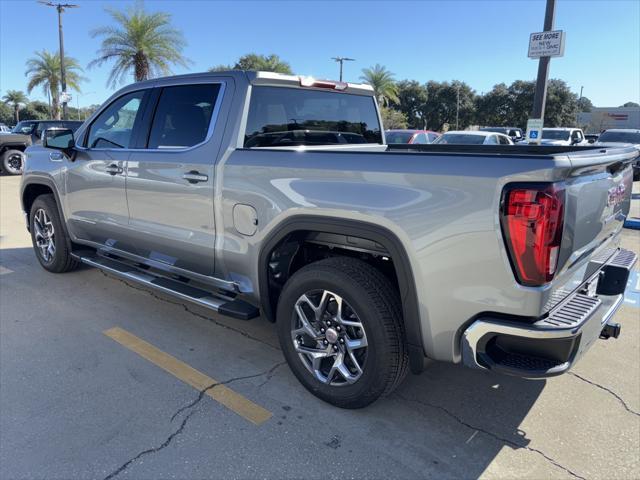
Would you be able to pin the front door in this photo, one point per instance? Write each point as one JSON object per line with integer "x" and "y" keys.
{"x": 95, "y": 200}
{"x": 170, "y": 183}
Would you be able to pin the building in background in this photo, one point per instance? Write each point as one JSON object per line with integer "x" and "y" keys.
{"x": 599, "y": 119}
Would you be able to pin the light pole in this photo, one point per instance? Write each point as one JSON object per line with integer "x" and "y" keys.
{"x": 457, "y": 104}
{"x": 341, "y": 60}
{"x": 60, "y": 7}
{"x": 540, "y": 96}
{"x": 78, "y": 103}
{"x": 581, "y": 88}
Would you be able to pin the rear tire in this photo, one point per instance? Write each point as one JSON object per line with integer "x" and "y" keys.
{"x": 49, "y": 237}
{"x": 346, "y": 356}
{"x": 13, "y": 162}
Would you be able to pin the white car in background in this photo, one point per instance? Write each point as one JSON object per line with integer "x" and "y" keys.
{"x": 473, "y": 137}
{"x": 563, "y": 136}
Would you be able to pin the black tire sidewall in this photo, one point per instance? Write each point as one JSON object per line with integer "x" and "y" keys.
{"x": 59, "y": 262}
{"x": 5, "y": 161}
{"x": 375, "y": 369}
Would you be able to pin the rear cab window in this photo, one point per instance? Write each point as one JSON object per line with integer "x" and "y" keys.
{"x": 183, "y": 115}
{"x": 283, "y": 116}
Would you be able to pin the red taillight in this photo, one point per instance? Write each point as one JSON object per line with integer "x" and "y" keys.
{"x": 532, "y": 223}
{"x": 312, "y": 82}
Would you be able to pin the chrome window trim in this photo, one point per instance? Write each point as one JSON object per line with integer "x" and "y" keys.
{"x": 212, "y": 123}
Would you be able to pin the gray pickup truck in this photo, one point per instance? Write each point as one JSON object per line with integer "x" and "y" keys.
{"x": 264, "y": 194}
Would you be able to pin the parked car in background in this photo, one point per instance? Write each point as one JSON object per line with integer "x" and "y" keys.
{"x": 12, "y": 147}
{"x": 410, "y": 136}
{"x": 563, "y": 136}
{"x": 623, "y": 137}
{"x": 591, "y": 137}
{"x": 514, "y": 133}
{"x": 26, "y": 133}
{"x": 473, "y": 137}
{"x": 36, "y": 127}
{"x": 4, "y": 128}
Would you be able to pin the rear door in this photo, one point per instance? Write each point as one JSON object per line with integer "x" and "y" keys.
{"x": 170, "y": 182}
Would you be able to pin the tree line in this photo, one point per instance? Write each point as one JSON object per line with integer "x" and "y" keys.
{"x": 145, "y": 45}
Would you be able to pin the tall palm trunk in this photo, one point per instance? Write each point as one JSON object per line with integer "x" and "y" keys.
{"x": 141, "y": 66}
{"x": 55, "y": 102}
{"x": 16, "y": 112}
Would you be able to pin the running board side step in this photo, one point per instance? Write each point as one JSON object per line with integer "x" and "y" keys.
{"x": 220, "y": 303}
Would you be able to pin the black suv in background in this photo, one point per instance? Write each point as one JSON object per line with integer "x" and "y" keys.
{"x": 26, "y": 133}
{"x": 36, "y": 127}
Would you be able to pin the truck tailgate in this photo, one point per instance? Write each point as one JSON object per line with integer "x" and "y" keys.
{"x": 597, "y": 201}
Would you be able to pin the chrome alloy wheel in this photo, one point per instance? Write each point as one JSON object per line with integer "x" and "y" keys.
{"x": 329, "y": 338}
{"x": 44, "y": 234}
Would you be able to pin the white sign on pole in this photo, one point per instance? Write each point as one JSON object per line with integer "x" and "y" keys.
{"x": 546, "y": 44}
{"x": 534, "y": 130}
{"x": 65, "y": 97}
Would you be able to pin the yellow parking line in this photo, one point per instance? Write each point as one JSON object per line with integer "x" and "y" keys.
{"x": 189, "y": 375}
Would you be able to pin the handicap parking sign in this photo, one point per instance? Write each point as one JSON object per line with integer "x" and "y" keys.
{"x": 533, "y": 134}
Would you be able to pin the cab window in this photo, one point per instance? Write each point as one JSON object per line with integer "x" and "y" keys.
{"x": 183, "y": 115}
{"x": 114, "y": 126}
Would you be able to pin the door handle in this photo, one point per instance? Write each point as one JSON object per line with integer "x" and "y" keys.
{"x": 113, "y": 169}
{"x": 194, "y": 177}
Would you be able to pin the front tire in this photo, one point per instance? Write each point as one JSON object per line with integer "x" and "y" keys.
{"x": 49, "y": 237}
{"x": 339, "y": 323}
{"x": 13, "y": 162}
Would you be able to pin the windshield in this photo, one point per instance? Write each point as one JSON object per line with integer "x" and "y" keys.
{"x": 461, "y": 139}
{"x": 23, "y": 127}
{"x": 555, "y": 134}
{"x": 281, "y": 117}
{"x": 622, "y": 137}
{"x": 398, "y": 137}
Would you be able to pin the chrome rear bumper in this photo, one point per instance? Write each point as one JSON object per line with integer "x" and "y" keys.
{"x": 551, "y": 345}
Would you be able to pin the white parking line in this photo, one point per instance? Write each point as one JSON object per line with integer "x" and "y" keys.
{"x": 4, "y": 270}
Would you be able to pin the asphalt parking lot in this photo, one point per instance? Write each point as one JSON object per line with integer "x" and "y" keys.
{"x": 102, "y": 380}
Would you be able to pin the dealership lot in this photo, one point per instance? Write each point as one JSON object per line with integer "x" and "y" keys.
{"x": 101, "y": 380}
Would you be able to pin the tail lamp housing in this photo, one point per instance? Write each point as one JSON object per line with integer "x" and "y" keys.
{"x": 532, "y": 218}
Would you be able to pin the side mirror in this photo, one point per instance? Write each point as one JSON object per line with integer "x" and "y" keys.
{"x": 58, "y": 139}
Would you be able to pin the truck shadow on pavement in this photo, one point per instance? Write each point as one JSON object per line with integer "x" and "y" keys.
{"x": 448, "y": 422}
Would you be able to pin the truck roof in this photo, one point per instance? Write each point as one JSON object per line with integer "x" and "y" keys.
{"x": 258, "y": 78}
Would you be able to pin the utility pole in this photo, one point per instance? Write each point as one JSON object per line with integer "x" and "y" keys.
{"x": 60, "y": 7}
{"x": 341, "y": 60}
{"x": 457, "y": 104}
{"x": 540, "y": 98}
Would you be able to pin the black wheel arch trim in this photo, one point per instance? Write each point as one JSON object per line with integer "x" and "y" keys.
{"x": 355, "y": 228}
{"x": 49, "y": 183}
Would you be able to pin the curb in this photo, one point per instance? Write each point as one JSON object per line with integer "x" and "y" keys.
{"x": 633, "y": 223}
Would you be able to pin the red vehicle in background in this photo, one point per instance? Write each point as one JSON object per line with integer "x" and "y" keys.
{"x": 410, "y": 136}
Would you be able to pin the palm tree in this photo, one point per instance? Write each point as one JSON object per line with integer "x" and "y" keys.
{"x": 253, "y": 61}
{"x": 16, "y": 98}
{"x": 43, "y": 71}
{"x": 383, "y": 83}
{"x": 141, "y": 43}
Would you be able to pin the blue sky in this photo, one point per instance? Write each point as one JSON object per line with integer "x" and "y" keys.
{"x": 479, "y": 42}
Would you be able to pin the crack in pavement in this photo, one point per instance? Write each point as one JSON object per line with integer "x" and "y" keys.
{"x": 185, "y": 420}
{"x": 608, "y": 390}
{"x": 188, "y": 310}
{"x": 490, "y": 434}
